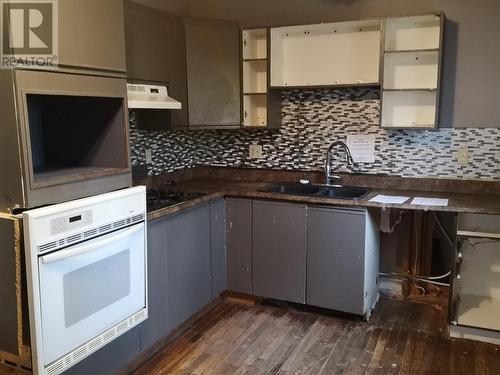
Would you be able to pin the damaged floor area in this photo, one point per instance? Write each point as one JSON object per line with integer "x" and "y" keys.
{"x": 404, "y": 336}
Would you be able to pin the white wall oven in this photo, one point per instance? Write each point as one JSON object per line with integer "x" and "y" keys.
{"x": 87, "y": 282}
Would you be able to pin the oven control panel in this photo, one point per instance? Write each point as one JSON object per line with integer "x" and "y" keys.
{"x": 74, "y": 221}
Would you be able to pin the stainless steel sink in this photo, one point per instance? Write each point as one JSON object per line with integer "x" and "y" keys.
{"x": 343, "y": 192}
{"x": 292, "y": 188}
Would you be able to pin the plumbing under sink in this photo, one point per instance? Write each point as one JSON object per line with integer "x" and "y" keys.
{"x": 342, "y": 192}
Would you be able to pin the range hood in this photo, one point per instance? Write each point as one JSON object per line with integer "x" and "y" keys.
{"x": 150, "y": 97}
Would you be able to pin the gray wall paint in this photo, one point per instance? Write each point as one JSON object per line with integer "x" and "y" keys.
{"x": 180, "y": 8}
{"x": 472, "y": 54}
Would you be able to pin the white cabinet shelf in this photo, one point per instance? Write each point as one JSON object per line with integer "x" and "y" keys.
{"x": 409, "y": 109}
{"x": 254, "y": 44}
{"x": 255, "y": 76}
{"x": 261, "y": 107}
{"x": 413, "y": 33}
{"x": 411, "y": 72}
{"x": 328, "y": 54}
{"x": 255, "y": 110}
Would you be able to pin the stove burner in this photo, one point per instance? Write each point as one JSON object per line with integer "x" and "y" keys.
{"x": 158, "y": 198}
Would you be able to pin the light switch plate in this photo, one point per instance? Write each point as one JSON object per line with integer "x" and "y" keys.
{"x": 255, "y": 151}
{"x": 148, "y": 156}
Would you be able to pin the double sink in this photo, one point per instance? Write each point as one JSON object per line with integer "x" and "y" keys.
{"x": 325, "y": 191}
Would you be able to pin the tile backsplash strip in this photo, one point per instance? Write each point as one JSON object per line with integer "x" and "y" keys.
{"x": 312, "y": 119}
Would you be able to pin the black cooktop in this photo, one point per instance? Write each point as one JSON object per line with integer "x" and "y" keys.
{"x": 158, "y": 197}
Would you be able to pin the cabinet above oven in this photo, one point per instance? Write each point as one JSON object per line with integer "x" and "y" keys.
{"x": 65, "y": 136}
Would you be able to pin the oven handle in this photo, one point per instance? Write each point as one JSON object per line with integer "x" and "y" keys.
{"x": 113, "y": 237}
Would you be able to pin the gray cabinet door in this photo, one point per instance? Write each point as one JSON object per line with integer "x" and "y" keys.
{"x": 213, "y": 71}
{"x": 218, "y": 246}
{"x": 188, "y": 263}
{"x": 335, "y": 259}
{"x": 239, "y": 245}
{"x": 68, "y": 51}
{"x": 100, "y": 33}
{"x": 279, "y": 251}
{"x": 157, "y": 325}
{"x": 156, "y": 53}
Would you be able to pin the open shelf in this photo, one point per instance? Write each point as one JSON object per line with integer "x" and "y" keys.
{"x": 254, "y": 44}
{"x": 413, "y": 33}
{"x": 255, "y": 76}
{"x": 327, "y": 54}
{"x": 411, "y": 70}
{"x": 412, "y": 51}
{"x": 408, "y": 109}
{"x": 48, "y": 177}
{"x": 255, "y": 110}
{"x": 73, "y": 138}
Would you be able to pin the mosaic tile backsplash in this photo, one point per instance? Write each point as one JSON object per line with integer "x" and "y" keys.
{"x": 312, "y": 119}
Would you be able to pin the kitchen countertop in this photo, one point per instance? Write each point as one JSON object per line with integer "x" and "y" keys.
{"x": 220, "y": 187}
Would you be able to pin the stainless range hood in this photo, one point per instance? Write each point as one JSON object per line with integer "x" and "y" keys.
{"x": 150, "y": 97}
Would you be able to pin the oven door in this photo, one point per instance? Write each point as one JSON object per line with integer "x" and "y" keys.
{"x": 89, "y": 287}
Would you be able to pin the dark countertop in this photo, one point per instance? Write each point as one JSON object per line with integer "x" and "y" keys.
{"x": 220, "y": 187}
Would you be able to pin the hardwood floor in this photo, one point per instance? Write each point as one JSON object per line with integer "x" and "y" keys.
{"x": 403, "y": 337}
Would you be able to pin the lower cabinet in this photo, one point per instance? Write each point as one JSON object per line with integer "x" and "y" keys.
{"x": 239, "y": 245}
{"x": 157, "y": 325}
{"x": 279, "y": 251}
{"x": 218, "y": 246}
{"x": 188, "y": 263}
{"x": 342, "y": 259}
{"x": 186, "y": 267}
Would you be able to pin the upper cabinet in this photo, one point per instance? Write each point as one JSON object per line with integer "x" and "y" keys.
{"x": 213, "y": 71}
{"x": 156, "y": 54}
{"x": 327, "y": 54}
{"x": 92, "y": 35}
{"x": 412, "y": 65}
{"x": 261, "y": 106}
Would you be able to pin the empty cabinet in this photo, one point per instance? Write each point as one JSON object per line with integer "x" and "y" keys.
{"x": 342, "y": 259}
{"x": 279, "y": 251}
{"x": 327, "y": 54}
{"x": 411, "y": 76}
{"x": 475, "y": 299}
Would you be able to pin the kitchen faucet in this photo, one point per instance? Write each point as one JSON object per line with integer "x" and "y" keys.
{"x": 328, "y": 165}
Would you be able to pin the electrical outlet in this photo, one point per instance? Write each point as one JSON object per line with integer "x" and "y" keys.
{"x": 462, "y": 156}
{"x": 255, "y": 151}
{"x": 148, "y": 156}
